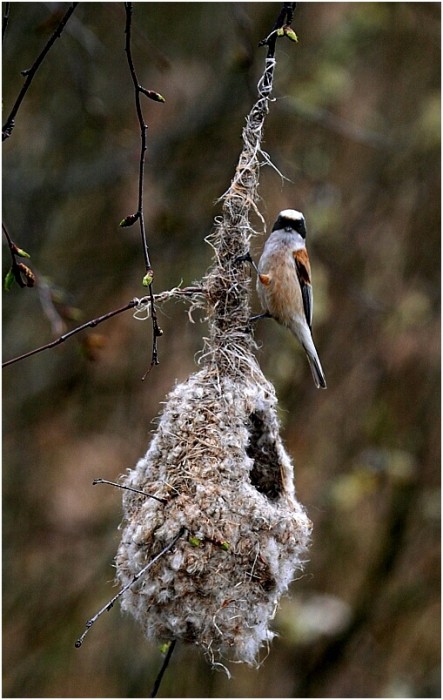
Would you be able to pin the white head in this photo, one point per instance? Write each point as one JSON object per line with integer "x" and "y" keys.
{"x": 291, "y": 220}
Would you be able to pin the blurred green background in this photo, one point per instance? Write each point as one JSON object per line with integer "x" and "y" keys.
{"x": 355, "y": 127}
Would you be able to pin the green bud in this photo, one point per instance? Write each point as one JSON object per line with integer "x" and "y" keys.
{"x": 164, "y": 647}
{"x": 225, "y": 546}
{"x": 152, "y": 95}
{"x": 280, "y": 31}
{"x": 9, "y": 280}
{"x": 194, "y": 541}
{"x": 128, "y": 220}
{"x": 156, "y": 96}
{"x": 22, "y": 253}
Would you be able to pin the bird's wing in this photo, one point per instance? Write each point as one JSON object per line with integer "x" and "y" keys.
{"x": 303, "y": 269}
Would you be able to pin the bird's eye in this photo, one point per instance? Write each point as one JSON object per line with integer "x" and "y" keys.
{"x": 301, "y": 228}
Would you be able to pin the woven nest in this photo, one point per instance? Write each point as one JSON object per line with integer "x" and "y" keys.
{"x": 218, "y": 463}
{"x": 218, "y": 460}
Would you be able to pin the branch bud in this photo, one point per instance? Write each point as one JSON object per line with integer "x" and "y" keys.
{"x": 152, "y": 95}
{"x": 22, "y": 253}
{"x": 129, "y": 220}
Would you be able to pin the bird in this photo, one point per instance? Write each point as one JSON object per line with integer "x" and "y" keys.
{"x": 284, "y": 284}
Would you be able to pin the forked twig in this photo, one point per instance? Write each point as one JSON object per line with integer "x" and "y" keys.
{"x": 123, "y": 590}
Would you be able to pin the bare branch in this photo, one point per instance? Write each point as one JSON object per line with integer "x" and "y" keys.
{"x": 5, "y": 19}
{"x": 128, "y": 488}
{"x": 161, "y": 673}
{"x": 123, "y": 590}
{"x": 159, "y": 298}
{"x": 30, "y": 72}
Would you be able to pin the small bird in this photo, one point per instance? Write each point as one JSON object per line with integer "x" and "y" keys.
{"x": 284, "y": 284}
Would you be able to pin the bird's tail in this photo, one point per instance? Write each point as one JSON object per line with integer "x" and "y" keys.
{"x": 316, "y": 368}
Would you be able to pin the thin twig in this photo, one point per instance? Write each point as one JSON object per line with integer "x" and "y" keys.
{"x": 163, "y": 296}
{"x": 123, "y": 590}
{"x": 138, "y": 90}
{"x": 30, "y": 72}
{"x": 19, "y": 272}
{"x": 65, "y": 336}
{"x": 161, "y": 673}
{"x": 5, "y": 19}
{"x": 13, "y": 250}
{"x": 129, "y": 488}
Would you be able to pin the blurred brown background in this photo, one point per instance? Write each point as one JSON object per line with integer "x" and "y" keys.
{"x": 356, "y": 130}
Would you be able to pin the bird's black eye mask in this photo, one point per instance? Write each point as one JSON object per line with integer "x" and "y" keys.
{"x": 297, "y": 225}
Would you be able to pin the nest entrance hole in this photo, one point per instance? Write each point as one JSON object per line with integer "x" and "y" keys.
{"x": 265, "y": 474}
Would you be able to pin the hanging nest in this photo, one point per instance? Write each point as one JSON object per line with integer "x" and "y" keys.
{"x": 218, "y": 463}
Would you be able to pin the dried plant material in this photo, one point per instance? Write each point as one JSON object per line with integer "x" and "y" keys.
{"x": 218, "y": 460}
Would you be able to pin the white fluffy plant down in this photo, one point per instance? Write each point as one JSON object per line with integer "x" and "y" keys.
{"x": 218, "y": 463}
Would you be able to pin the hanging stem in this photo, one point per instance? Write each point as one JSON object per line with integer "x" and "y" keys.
{"x": 139, "y": 90}
{"x": 161, "y": 673}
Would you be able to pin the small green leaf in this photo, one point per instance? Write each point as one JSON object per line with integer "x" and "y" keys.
{"x": 289, "y": 32}
{"x": 280, "y": 31}
{"x": 9, "y": 280}
{"x": 225, "y": 546}
{"x": 194, "y": 541}
{"x": 164, "y": 647}
{"x": 147, "y": 279}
